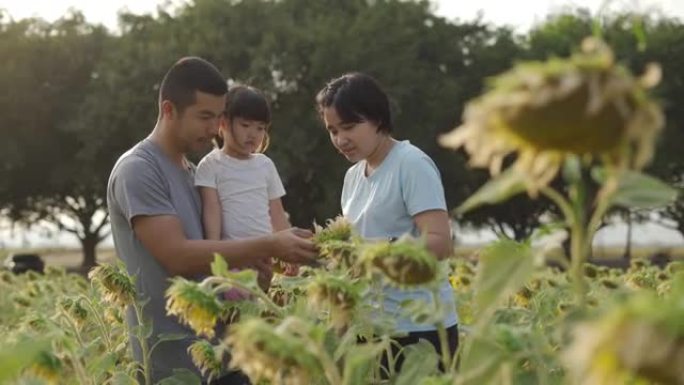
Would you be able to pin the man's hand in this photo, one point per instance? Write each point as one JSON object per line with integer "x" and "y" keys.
{"x": 264, "y": 269}
{"x": 294, "y": 245}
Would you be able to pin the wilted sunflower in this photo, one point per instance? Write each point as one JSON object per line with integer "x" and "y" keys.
{"x": 115, "y": 282}
{"x": 206, "y": 357}
{"x": 338, "y": 229}
{"x": 55, "y": 271}
{"x": 6, "y": 277}
{"x": 460, "y": 282}
{"x": 37, "y": 323}
{"x": 21, "y": 300}
{"x": 609, "y": 283}
{"x": 586, "y": 105}
{"x": 276, "y": 354}
{"x": 47, "y": 367}
{"x": 335, "y": 294}
{"x": 522, "y": 297}
{"x": 642, "y": 339}
{"x": 340, "y": 253}
{"x": 196, "y": 307}
{"x": 75, "y": 309}
{"x": 405, "y": 263}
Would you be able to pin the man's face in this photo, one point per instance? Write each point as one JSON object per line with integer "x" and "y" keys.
{"x": 196, "y": 126}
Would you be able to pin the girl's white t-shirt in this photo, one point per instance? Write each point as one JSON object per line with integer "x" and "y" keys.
{"x": 244, "y": 187}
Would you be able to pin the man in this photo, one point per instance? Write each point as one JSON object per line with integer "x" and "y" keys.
{"x": 156, "y": 215}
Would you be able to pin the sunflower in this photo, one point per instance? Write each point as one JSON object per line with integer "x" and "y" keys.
{"x": 639, "y": 340}
{"x": 116, "y": 284}
{"x": 405, "y": 263}
{"x": 586, "y": 105}
{"x": 46, "y": 367}
{"x": 338, "y": 229}
{"x": 337, "y": 295}
{"x": 277, "y": 354}
{"x": 206, "y": 357}
{"x": 194, "y": 306}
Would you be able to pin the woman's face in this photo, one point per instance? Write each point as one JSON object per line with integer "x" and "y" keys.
{"x": 356, "y": 141}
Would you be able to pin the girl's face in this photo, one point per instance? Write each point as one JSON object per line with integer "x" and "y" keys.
{"x": 243, "y": 137}
{"x": 356, "y": 141}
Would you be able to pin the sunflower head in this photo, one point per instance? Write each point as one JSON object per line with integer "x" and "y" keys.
{"x": 522, "y": 297}
{"x": 206, "y": 357}
{"x": 55, "y": 271}
{"x": 37, "y": 323}
{"x": 6, "y": 277}
{"x": 115, "y": 282}
{"x": 75, "y": 309}
{"x": 46, "y": 367}
{"x": 339, "y": 253}
{"x": 194, "y": 305}
{"x": 636, "y": 341}
{"x": 586, "y": 105}
{"x": 338, "y": 229}
{"x": 609, "y": 283}
{"x": 276, "y": 354}
{"x": 336, "y": 295}
{"x": 460, "y": 282}
{"x": 21, "y": 300}
{"x": 405, "y": 263}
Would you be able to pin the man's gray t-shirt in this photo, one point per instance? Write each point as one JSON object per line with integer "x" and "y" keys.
{"x": 144, "y": 181}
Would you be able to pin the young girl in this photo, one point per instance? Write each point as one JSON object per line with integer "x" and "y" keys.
{"x": 239, "y": 185}
{"x": 392, "y": 189}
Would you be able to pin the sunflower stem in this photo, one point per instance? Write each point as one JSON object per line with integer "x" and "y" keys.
{"x": 142, "y": 339}
{"x": 441, "y": 332}
{"x": 578, "y": 238}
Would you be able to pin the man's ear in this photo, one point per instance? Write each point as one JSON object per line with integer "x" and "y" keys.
{"x": 168, "y": 110}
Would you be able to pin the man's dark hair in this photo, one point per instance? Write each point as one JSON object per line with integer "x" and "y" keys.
{"x": 357, "y": 97}
{"x": 188, "y": 75}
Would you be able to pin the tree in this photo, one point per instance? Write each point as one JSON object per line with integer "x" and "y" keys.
{"x": 48, "y": 66}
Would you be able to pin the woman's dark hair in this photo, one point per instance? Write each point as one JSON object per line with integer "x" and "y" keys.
{"x": 357, "y": 97}
{"x": 249, "y": 103}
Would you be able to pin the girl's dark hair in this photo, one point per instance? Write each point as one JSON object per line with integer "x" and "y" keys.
{"x": 357, "y": 97}
{"x": 249, "y": 103}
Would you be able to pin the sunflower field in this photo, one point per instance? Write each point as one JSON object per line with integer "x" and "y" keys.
{"x": 526, "y": 316}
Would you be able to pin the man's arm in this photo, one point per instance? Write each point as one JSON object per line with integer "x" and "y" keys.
{"x": 163, "y": 237}
{"x": 434, "y": 227}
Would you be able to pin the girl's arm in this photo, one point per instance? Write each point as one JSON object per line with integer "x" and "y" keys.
{"x": 211, "y": 213}
{"x": 279, "y": 219}
{"x": 434, "y": 227}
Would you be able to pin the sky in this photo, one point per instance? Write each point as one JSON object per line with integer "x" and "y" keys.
{"x": 499, "y": 12}
{"x": 502, "y": 12}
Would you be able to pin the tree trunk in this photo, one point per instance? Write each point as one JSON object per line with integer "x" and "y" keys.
{"x": 628, "y": 248}
{"x": 89, "y": 245}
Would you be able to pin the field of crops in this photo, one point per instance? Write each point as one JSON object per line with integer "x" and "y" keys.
{"x": 582, "y": 129}
{"x": 520, "y": 323}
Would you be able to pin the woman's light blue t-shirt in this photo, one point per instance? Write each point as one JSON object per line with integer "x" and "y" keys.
{"x": 382, "y": 205}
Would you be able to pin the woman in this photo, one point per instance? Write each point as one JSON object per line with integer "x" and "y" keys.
{"x": 392, "y": 189}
